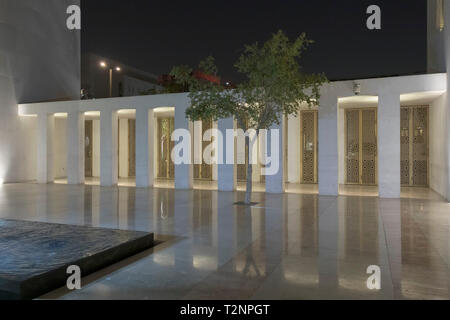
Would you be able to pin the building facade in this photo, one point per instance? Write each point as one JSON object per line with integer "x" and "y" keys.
{"x": 39, "y": 61}
{"x": 383, "y": 134}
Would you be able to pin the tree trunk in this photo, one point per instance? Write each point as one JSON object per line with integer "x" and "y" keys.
{"x": 248, "y": 189}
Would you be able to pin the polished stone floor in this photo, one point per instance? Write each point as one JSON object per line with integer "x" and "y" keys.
{"x": 290, "y": 246}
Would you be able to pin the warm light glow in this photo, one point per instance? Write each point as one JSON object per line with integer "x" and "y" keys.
{"x": 127, "y": 111}
{"x": 118, "y": 69}
{"x": 103, "y": 64}
{"x": 358, "y": 101}
{"x": 164, "y": 109}
{"x": 92, "y": 113}
{"x": 28, "y": 115}
{"x": 60, "y": 115}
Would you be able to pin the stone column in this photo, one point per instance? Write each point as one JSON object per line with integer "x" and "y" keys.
{"x": 275, "y": 181}
{"x": 144, "y": 148}
{"x": 328, "y": 144}
{"x": 108, "y": 148}
{"x": 75, "y": 147}
{"x": 389, "y": 145}
{"x": 183, "y": 172}
{"x": 226, "y": 172}
{"x": 46, "y": 128}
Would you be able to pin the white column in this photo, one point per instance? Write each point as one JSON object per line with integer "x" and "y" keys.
{"x": 108, "y": 148}
{"x": 144, "y": 148}
{"x": 328, "y": 144}
{"x": 389, "y": 145}
{"x": 226, "y": 173}
{"x": 46, "y": 128}
{"x": 75, "y": 147}
{"x": 275, "y": 183}
{"x": 183, "y": 172}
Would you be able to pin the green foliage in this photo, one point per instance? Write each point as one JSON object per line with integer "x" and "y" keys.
{"x": 275, "y": 85}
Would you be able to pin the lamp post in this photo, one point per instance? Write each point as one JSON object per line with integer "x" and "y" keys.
{"x": 118, "y": 69}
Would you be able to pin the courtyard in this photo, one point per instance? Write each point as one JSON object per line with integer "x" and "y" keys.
{"x": 288, "y": 246}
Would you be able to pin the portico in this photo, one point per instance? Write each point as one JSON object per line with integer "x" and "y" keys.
{"x": 327, "y": 146}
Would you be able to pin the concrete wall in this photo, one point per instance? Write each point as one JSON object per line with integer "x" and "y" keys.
{"x": 438, "y": 159}
{"x": 439, "y": 60}
{"x": 39, "y": 61}
{"x": 446, "y": 135}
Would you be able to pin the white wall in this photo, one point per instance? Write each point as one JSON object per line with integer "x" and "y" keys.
{"x": 438, "y": 158}
{"x": 39, "y": 61}
{"x": 60, "y": 152}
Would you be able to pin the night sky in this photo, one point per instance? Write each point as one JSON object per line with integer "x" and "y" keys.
{"x": 156, "y": 35}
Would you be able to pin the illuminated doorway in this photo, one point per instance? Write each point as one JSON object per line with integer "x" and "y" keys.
{"x": 361, "y": 146}
{"x": 166, "y": 167}
{"x": 308, "y": 146}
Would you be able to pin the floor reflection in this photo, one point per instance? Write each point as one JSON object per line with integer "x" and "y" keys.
{"x": 290, "y": 246}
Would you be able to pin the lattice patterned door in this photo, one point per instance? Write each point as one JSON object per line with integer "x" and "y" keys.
{"x": 361, "y": 146}
{"x": 352, "y": 145}
{"x": 414, "y": 146}
{"x": 404, "y": 145}
{"x": 308, "y": 129}
{"x": 369, "y": 146}
{"x": 204, "y": 171}
{"x": 166, "y": 167}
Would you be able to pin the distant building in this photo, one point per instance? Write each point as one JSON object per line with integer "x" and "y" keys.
{"x": 126, "y": 81}
{"x": 167, "y": 81}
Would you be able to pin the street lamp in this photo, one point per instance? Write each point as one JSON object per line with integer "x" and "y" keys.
{"x": 118, "y": 69}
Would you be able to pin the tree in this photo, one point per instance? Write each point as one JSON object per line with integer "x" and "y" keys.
{"x": 275, "y": 86}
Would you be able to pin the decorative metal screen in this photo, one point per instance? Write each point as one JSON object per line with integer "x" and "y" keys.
{"x": 352, "y": 144}
{"x": 361, "y": 146}
{"x": 88, "y": 147}
{"x": 404, "y": 146}
{"x": 414, "y": 146}
{"x": 131, "y": 147}
{"x": 308, "y": 146}
{"x": 204, "y": 171}
{"x": 369, "y": 146}
{"x": 166, "y": 167}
